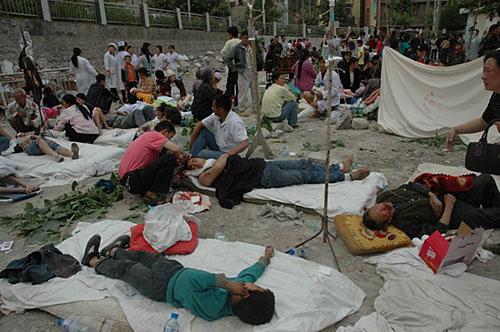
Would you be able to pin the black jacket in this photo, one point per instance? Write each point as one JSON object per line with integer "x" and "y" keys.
{"x": 240, "y": 176}
{"x": 203, "y": 100}
{"x": 345, "y": 78}
{"x": 41, "y": 265}
{"x": 99, "y": 96}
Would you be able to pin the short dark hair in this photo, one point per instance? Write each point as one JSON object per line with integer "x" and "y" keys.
{"x": 256, "y": 309}
{"x": 495, "y": 54}
{"x": 171, "y": 113}
{"x": 81, "y": 96}
{"x": 233, "y": 31}
{"x": 224, "y": 102}
{"x": 371, "y": 224}
{"x": 131, "y": 99}
{"x": 244, "y": 33}
{"x": 171, "y": 46}
{"x": 100, "y": 78}
{"x": 165, "y": 125}
{"x": 160, "y": 48}
{"x": 159, "y": 74}
{"x": 275, "y": 75}
{"x": 127, "y": 56}
{"x": 144, "y": 71}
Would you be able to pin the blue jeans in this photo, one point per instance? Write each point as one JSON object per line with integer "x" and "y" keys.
{"x": 288, "y": 112}
{"x": 4, "y": 143}
{"x": 282, "y": 173}
{"x": 205, "y": 146}
{"x": 33, "y": 149}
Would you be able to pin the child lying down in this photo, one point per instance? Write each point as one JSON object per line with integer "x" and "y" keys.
{"x": 233, "y": 176}
{"x": 207, "y": 295}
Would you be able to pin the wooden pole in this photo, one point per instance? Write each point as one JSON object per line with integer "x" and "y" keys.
{"x": 259, "y": 138}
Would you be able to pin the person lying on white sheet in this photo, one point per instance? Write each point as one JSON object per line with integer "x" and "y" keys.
{"x": 207, "y": 295}
{"x": 232, "y": 176}
{"x": 8, "y": 176}
{"x": 35, "y": 145}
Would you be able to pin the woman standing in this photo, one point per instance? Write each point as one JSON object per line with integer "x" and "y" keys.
{"x": 82, "y": 70}
{"x": 172, "y": 57}
{"x": 113, "y": 71}
{"x": 304, "y": 72}
{"x": 145, "y": 59}
{"x": 76, "y": 120}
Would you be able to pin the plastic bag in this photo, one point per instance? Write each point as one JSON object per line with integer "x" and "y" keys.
{"x": 164, "y": 225}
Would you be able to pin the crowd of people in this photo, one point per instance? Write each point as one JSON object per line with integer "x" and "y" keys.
{"x": 154, "y": 100}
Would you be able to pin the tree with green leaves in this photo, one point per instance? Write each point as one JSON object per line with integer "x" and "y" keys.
{"x": 400, "y": 13}
{"x": 213, "y": 7}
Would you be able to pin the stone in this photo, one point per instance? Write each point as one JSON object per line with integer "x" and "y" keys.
{"x": 210, "y": 53}
{"x": 360, "y": 123}
{"x": 198, "y": 65}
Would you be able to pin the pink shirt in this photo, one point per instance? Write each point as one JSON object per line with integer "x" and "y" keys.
{"x": 307, "y": 77}
{"x": 141, "y": 152}
{"x": 75, "y": 118}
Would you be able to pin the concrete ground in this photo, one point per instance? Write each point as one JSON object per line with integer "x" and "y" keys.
{"x": 396, "y": 157}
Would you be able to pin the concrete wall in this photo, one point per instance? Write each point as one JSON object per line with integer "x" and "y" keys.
{"x": 53, "y": 41}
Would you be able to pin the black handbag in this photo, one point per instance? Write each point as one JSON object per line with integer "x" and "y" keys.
{"x": 482, "y": 156}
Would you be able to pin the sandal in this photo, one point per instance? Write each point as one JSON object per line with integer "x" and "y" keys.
{"x": 121, "y": 242}
{"x": 91, "y": 250}
{"x": 359, "y": 174}
{"x": 154, "y": 199}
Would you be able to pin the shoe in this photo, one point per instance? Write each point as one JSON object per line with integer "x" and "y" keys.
{"x": 75, "y": 150}
{"x": 121, "y": 242}
{"x": 153, "y": 199}
{"x": 295, "y": 126}
{"x": 91, "y": 250}
{"x": 58, "y": 158}
{"x": 359, "y": 174}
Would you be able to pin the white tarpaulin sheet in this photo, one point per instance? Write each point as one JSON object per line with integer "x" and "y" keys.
{"x": 413, "y": 298}
{"x": 94, "y": 160}
{"x": 324, "y": 297}
{"x": 346, "y": 197}
{"x": 418, "y": 100}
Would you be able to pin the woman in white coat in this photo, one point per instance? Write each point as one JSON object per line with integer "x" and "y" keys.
{"x": 113, "y": 70}
{"x": 82, "y": 70}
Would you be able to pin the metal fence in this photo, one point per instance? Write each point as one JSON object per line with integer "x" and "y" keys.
{"x": 82, "y": 10}
{"x": 193, "y": 21}
{"x": 123, "y": 14}
{"x": 20, "y": 7}
{"x": 219, "y": 23}
{"x": 57, "y": 78}
{"x": 162, "y": 18}
{"x": 117, "y": 13}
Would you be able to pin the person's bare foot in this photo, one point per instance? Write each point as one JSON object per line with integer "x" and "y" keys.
{"x": 268, "y": 253}
{"x": 359, "y": 174}
{"x": 347, "y": 164}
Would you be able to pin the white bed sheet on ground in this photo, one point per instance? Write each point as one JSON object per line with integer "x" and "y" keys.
{"x": 320, "y": 301}
{"x": 93, "y": 159}
{"x": 413, "y": 298}
{"x": 347, "y": 197}
{"x": 418, "y": 100}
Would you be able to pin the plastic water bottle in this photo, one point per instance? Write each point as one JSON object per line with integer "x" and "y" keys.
{"x": 285, "y": 153}
{"x": 73, "y": 325}
{"x": 172, "y": 324}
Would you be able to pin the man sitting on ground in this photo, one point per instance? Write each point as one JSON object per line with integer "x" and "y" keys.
{"x": 207, "y": 295}
{"x": 416, "y": 210}
{"x": 148, "y": 164}
{"x": 22, "y": 113}
{"x": 233, "y": 176}
{"x": 279, "y": 103}
{"x": 99, "y": 96}
{"x": 221, "y": 132}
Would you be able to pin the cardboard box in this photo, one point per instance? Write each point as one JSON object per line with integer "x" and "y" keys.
{"x": 437, "y": 252}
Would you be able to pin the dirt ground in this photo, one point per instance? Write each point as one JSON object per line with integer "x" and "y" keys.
{"x": 396, "y": 157}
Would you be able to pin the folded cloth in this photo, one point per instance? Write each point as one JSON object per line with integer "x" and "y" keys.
{"x": 41, "y": 265}
{"x": 282, "y": 213}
